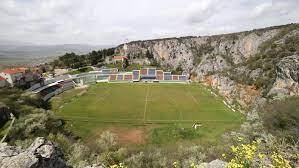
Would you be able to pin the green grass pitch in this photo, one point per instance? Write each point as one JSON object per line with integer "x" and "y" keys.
{"x": 144, "y": 103}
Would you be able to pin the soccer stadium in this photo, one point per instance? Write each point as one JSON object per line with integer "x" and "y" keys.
{"x": 147, "y": 98}
{"x": 59, "y": 84}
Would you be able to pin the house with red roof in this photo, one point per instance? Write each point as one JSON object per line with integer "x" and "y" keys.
{"x": 14, "y": 76}
{"x": 116, "y": 59}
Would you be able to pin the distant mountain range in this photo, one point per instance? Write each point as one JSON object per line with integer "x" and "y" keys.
{"x": 13, "y": 53}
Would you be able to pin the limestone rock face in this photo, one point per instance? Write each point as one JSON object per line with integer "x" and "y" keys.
{"x": 182, "y": 52}
{"x": 287, "y": 80}
{"x": 226, "y": 62}
{"x": 41, "y": 154}
{"x": 210, "y": 65}
{"x": 244, "y": 95}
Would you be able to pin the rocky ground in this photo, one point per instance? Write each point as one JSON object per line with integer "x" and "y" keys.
{"x": 44, "y": 154}
{"x": 41, "y": 153}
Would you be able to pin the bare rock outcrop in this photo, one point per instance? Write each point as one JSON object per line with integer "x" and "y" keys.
{"x": 41, "y": 154}
{"x": 287, "y": 80}
{"x": 234, "y": 93}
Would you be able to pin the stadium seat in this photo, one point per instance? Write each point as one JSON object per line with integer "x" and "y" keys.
{"x": 136, "y": 75}
{"x": 183, "y": 77}
{"x": 159, "y": 77}
{"x": 128, "y": 77}
{"x": 151, "y": 71}
{"x": 159, "y": 72}
{"x": 175, "y": 77}
{"x": 167, "y": 76}
{"x": 143, "y": 72}
{"x": 112, "y": 77}
{"x": 120, "y": 77}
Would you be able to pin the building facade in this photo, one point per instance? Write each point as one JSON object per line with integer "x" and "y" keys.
{"x": 12, "y": 76}
{"x": 19, "y": 76}
{"x": 3, "y": 82}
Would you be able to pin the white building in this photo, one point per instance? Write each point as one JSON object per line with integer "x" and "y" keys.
{"x": 3, "y": 82}
{"x": 12, "y": 76}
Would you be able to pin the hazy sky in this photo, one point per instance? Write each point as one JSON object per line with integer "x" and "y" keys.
{"x": 118, "y": 21}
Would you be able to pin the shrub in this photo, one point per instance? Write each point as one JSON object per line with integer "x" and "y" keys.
{"x": 136, "y": 160}
{"x": 254, "y": 155}
{"x": 108, "y": 141}
{"x": 63, "y": 142}
{"x": 190, "y": 155}
{"x": 79, "y": 155}
{"x": 281, "y": 117}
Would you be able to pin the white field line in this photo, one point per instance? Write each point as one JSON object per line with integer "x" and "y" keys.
{"x": 227, "y": 105}
{"x": 146, "y": 100}
{"x": 125, "y": 119}
{"x": 214, "y": 94}
{"x": 194, "y": 99}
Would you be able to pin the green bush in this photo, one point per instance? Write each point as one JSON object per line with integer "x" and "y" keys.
{"x": 281, "y": 117}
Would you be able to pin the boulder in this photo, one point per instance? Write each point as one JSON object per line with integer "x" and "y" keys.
{"x": 41, "y": 154}
{"x": 214, "y": 164}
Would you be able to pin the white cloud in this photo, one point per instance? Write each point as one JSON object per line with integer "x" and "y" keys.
{"x": 115, "y": 21}
{"x": 271, "y": 9}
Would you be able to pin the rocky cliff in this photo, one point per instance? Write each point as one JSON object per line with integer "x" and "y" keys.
{"x": 41, "y": 153}
{"x": 243, "y": 67}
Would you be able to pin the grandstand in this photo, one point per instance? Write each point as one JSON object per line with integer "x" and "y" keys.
{"x": 147, "y": 75}
{"x": 54, "y": 86}
{"x": 142, "y": 75}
